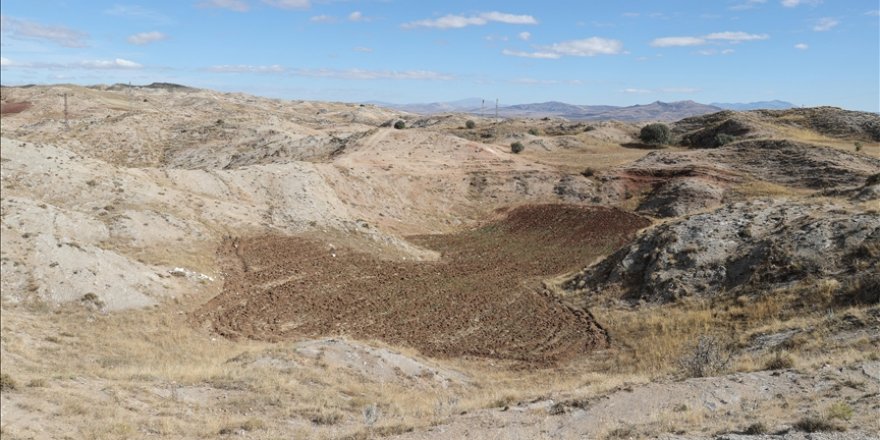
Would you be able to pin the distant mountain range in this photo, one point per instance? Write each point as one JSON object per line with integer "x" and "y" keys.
{"x": 655, "y": 111}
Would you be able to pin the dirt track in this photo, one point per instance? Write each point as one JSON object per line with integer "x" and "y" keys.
{"x": 483, "y": 298}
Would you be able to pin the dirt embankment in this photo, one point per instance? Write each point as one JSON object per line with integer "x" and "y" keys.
{"x": 483, "y": 298}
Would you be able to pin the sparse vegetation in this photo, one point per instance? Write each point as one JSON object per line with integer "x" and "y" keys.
{"x": 858, "y": 146}
{"x": 7, "y": 383}
{"x": 588, "y": 172}
{"x": 534, "y": 132}
{"x": 840, "y": 411}
{"x": 517, "y": 147}
{"x": 781, "y": 360}
{"x": 709, "y": 356}
{"x": 400, "y": 125}
{"x": 470, "y": 125}
{"x": 815, "y": 423}
{"x": 655, "y": 134}
{"x": 722, "y": 139}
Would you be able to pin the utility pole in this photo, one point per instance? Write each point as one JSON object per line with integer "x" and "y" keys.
{"x": 496, "y": 119}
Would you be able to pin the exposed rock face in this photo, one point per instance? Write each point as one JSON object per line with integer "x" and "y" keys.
{"x": 679, "y": 183}
{"x": 744, "y": 247}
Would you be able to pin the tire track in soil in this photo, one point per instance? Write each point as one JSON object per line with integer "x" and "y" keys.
{"x": 483, "y": 298}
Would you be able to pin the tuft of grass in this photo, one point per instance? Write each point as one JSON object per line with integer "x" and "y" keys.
{"x": 839, "y": 410}
{"x": 781, "y": 360}
{"x": 517, "y": 147}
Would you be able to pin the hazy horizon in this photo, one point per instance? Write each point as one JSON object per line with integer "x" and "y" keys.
{"x": 807, "y": 52}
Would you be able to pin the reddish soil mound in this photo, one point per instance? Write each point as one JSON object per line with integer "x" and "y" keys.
{"x": 483, "y": 298}
{"x": 14, "y": 107}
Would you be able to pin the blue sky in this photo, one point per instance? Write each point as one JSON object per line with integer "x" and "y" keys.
{"x": 809, "y": 52}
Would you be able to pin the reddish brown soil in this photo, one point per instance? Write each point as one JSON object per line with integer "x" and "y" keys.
{"x": 13, "y": 107}
{"x": 483, "y": 298}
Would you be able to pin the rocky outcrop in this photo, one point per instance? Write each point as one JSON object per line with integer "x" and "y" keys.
{"x": 743, "y": 248}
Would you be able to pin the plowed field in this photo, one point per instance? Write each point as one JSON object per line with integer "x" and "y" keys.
{"x": 482, "y": 298}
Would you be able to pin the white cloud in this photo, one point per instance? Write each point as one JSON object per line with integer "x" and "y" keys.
{"x": 232, "y": 5}
{"x": 323, "y": 19}
{"x": 118, "y": 63}
{"x": 825, "y": 24}
{"x": 525, "y": 36}
{"x": 4, "y": 62}
{"x": 363, "y": 49}
{"x": 748, "y": 4}
{"x": 135, "y": 11}
{"x": 795, "y": 3}
{"x": 356, "y": 16}
{"x": 363, "y": 74}
{"x": 736, "y": 36}
{"x": 115, "y": 64}
{"x": 30, "y": 30}
{"x": 632, "y": 90}
{"x": 538, "y": 55}
{"x": 547, "y": 82}
{"x": 460, "y": 21}
{"x": 501, "y": 17}
{"x": 801, "y": 46}
{"x": 246, "y": 68}
{"x": 147, "y": 37}
{"x": 587, "y": 47}
{"x": 677, "y": 41}
{"x": 875, "y": 13}
{"x": 288, "y": 4}
{"x": 731, "y": 37}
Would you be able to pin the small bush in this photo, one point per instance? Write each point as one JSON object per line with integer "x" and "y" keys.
{"x": 840, "y": 410}
{"x": 722, "y": 139}
{"x": 400, "y": 125}
{"x": 858, "y": 146}
{"x": 755, "y": 429}
{"x": 817, "y": 424}
{"x": 253, "y": 425}
{"x": 655, "y": 134}
{"x": 588, "y": 172}
{"x": 534, "y": 132}
{"x": 6, "y": 383}
{"x": 470, "y": 124}
{"x": 517, "y": 147}
{"x": 780, "y": 361}
{"x": 708, "y": 357}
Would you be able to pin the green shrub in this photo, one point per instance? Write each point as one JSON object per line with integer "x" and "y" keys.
{"x": 722, "y": 139}
{"x": 534, "y": 132}
{"x": 517, "y": 147}
{"x": 470, "y": 124}
{"x": 588, "y": 172}
{"x": 840, "y": 410}
{"x": 858, "y": 146}
{"x": 655, "y": 134}
{"x": 400, "y": 125}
